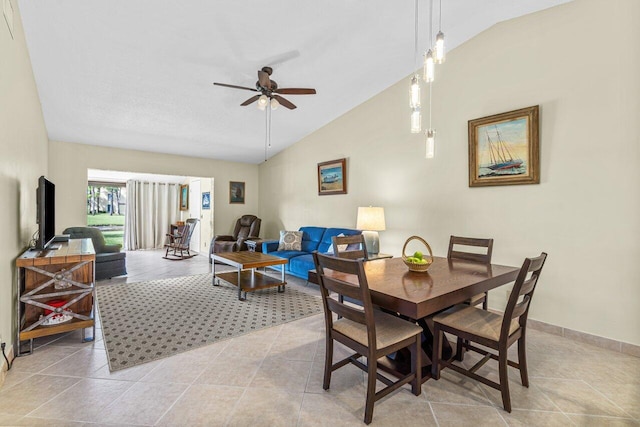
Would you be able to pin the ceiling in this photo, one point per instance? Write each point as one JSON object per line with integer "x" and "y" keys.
{"x": 138, "y": 74}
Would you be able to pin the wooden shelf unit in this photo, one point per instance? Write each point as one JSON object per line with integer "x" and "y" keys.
{"x": 72, "y": 268}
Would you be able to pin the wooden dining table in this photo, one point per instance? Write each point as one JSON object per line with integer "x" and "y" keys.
{"x": 418, "y": 295}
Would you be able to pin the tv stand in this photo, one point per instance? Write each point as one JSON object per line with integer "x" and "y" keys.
{"x": 55, "y": 285}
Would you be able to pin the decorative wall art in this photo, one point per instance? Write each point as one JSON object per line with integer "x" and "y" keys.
{"x": 236, "y": 192}
{"x": 504, "y": 149}
{"x": 184, "y": 197}
{"x": 332, "y": 177}
{"x": 206, "y": 200}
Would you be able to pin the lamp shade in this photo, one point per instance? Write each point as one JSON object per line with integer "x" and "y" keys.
{"x": 371, "y": 219}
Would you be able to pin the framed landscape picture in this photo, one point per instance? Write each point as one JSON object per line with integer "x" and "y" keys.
{"x": 332, "y": 177}
{"x": 504, "y": 149}
{"x": 236, "y": 192}
{"x": 184, "y": 197}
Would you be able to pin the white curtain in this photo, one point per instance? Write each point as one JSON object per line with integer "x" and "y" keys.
{"x": 151, "y": 208}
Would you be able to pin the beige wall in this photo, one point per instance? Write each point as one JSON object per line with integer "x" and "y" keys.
{"x": 68, "y": 164}
{"x": 580, "y": 62}
{"x": 23, "y": 158}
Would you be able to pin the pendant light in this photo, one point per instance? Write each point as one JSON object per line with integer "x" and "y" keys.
{"x": 429, "y": 61}
{"x": 414, "y": 93}
{"x": 430, "y": 144}
{"x": 439, "y": 48}
{"x": 430, "y": 134}
{"x": 429, "y": 67}
{"x": 416, "y": 121}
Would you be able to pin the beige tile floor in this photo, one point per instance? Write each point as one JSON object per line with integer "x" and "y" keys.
{"x": 273, "y": 377}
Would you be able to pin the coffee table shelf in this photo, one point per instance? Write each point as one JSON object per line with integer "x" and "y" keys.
{"x": 252, "y": 280}
{"x": 247, "y": 278}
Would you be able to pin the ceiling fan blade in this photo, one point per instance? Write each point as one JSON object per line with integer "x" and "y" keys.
{"x": 295, "y": 91}
{"x": 250, "y": 100}
{"x": 236, "y": 87}
{"x": 263, "y": 79}
{"x": 285, "y": 102}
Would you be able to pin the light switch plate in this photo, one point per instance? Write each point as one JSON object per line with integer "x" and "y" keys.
{"x": 7, "y": 10}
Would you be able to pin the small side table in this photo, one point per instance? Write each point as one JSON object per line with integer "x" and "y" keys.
{"x": 254, "y": 245}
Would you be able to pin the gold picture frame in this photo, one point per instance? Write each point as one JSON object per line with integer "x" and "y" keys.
{"x": 504, "y": 149}
{"x": 184, "y": 197}
{"x": 332, "y": 177}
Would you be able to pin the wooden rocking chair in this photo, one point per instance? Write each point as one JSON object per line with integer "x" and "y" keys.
{"x": 179, "y": 242}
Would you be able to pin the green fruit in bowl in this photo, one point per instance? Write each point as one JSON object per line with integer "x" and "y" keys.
{"x": 422, "y": 261}
{"x": 411, "y": 259}
{"x": 417, "y": 255}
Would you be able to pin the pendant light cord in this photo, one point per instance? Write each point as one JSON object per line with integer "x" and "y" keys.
{"x": 430, "y": 24}
{"x": 440, "y": 20}
{"x": 415, "y": 38}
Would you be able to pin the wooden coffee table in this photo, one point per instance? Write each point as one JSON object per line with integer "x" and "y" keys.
{"x": 247, "y": 278}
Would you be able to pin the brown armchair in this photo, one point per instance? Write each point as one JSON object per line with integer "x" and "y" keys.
{"x": 247, "y": 227}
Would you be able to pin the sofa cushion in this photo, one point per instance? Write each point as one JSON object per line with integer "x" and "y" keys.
{"x": 290, "y": 241}
{"x": 286, "y": 254}
{"x": 113, "y": 256}
{"x": 311, "y": 237}
{"x": 327, "y": 241}
{"x": 301, "y": 265}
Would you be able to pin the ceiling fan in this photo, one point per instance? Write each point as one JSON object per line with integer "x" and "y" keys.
{"x": 268, "y": 90}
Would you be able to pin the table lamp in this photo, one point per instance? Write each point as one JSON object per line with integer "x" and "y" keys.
{"x": 370, "y": 221}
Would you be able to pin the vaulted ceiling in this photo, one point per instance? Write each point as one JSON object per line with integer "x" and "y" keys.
{"x": 138, "y": 74}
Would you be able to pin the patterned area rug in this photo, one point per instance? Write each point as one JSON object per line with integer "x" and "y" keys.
{"x": 150, "y": 320}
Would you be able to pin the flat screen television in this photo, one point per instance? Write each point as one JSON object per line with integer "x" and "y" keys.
{"x": 46, "y": 211}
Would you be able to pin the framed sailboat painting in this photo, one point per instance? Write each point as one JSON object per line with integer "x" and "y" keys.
{"x": 504, "y": 149}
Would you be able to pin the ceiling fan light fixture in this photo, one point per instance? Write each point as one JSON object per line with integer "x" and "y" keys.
{"x": 262, "y": 102}
{"x": 274, "y": 103}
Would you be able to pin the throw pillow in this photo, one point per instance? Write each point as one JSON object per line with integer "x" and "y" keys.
{"x": 290, "y": 241}
{"x": 341, "y": 248}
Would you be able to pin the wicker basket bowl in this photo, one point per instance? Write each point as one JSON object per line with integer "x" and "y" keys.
{"x": 415, "y": 266}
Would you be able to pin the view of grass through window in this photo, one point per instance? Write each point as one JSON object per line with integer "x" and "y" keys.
{"x": 105, "y": 210}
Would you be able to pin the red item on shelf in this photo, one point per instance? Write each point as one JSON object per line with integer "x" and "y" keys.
{"x": 54, "y": 303}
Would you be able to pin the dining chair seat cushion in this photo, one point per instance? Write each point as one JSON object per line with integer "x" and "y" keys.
{"x": 475, "y": 321}
{"x": 389, "y": 329}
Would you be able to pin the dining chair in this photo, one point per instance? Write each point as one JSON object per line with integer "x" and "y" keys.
{"x": 484, "y": 258}
{"x": 495, "y": 331}
{"x": 350, "y": 247}
{"x": 367, "y": 331}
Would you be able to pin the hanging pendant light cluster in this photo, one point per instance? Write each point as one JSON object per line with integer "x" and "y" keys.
{"x": 435, "y": 54}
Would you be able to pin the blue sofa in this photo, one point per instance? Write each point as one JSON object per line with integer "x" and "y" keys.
{"x": 313, "y": 238}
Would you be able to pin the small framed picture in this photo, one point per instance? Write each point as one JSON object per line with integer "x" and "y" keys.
{"x": 184, "y": 197}
{"x": 206, "y": 200}
{"x": 504, "y": 149}
{"x": 236, "y": 192}
{"x": 332, "y": 177}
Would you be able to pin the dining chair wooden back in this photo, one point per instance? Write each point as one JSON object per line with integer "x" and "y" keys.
{"x": 485, "y": 258}
{"x": 343, "y": 247}
{"x": 497, "y": 332}
{"x": 367, "y": 331}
